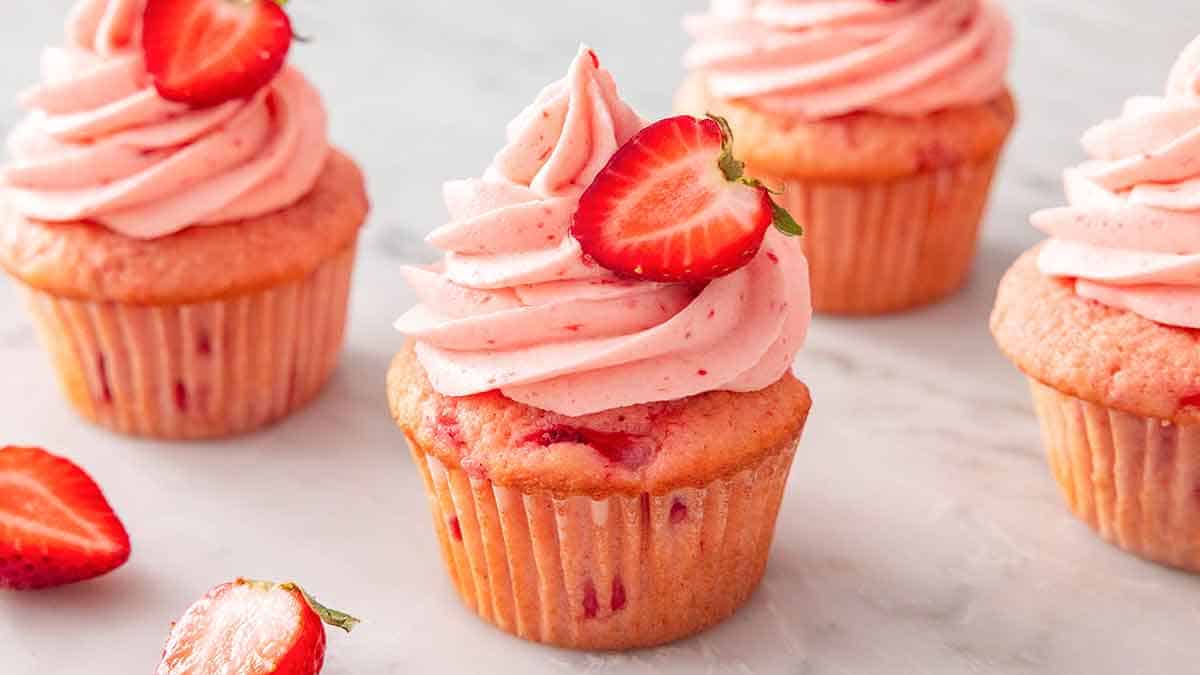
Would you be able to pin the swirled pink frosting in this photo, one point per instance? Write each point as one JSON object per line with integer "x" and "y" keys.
{"x": 100, "y": 144}
{"x": 1131, "y": 234}
{"x": 823, "y": 58}
{"x": 514, "y": 305}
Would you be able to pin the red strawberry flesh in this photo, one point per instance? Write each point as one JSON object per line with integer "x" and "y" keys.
{"x": 207, "y": 52}
{"x": 56, "y": 527}
{"x": 250, "y": 627}
{"x": 671, "y": 205}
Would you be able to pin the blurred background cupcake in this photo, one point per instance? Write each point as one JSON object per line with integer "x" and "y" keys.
{"x": 1102, "y": 320}
{"x": 881, "y": 122}
{"x": 185, "y": 236}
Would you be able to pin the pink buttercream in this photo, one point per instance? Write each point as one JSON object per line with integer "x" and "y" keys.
{"x": 1131, "y": 235}
{"x": 514, "y": 306}
{"x": 100, "y": 144}
{"x": 823, "y": 58}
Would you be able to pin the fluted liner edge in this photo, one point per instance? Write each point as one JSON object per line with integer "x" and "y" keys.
{"x": 609, "y": 573}
{"x": 202, "y": 370}
{"x": 875, "y": 247}
{"x": 1132, "y": 479}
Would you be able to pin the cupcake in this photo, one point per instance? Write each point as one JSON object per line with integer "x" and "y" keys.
{"x": 604, "y": 455}
{"x": 881, "y": 122}
{"x": 186, "y": 260}
{"x": 1102, "y": 318}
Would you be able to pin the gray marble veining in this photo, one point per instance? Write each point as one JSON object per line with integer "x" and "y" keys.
{"x": 922, "y": 532}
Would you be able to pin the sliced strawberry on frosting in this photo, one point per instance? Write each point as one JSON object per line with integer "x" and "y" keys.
{"x": 207, "y": 52}
{"x": 673, "y": 204}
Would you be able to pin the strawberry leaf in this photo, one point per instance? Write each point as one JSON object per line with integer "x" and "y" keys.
{"x": 784, "y": 222}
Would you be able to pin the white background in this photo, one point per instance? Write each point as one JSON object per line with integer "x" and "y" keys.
{"x": 921, "y": 534}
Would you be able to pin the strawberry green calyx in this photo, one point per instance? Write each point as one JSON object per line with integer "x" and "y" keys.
{"x": 784, "y": 222}
{"x": 331, "y": 617}
{"x": 302, "y": 39}
{"x": 734, "y": 171}
{"x": 733, "y": 168}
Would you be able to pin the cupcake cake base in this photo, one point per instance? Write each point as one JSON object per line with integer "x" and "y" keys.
{"x": 618, "y": 572}
{"x": 619, "y": 530}
{"x": 1119, "y": 409}
{"x": 198, "y": 370}
{"x": 214, "y": 331}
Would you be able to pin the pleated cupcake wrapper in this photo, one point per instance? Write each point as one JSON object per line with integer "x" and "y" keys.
{"x": 1132, "y": 479}
{"x": 614, "y": 573}
{"x": 885, "y": 246}
{"x": 198, "y": 370}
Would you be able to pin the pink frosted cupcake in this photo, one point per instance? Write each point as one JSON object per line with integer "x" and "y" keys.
{"x": 604, "y": 457}
{"x": 882, "y": 122}
{"x": 1102, "y": 318}
{"x": 187, "y": 266}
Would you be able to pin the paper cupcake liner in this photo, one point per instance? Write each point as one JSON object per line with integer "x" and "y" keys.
{"x": 1132, "y": 479}
{"x": 884, "y": 246}
{"x": 198, "y": 370}
{"x": 618, "y": 572}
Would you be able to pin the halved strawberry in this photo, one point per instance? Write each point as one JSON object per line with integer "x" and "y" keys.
{"x": 207, "y": 52}
{"x": 251, "y": 627}
{"x": 673, "y": 204}
{"x": 55, "y": 525}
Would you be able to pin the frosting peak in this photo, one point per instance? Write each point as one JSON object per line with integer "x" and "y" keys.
{"x": 829, "y": 58}
{"x": 515, "y": 306}
{"x": 1131, "y": 234}
{"x": 100, "y": 143}
{"x": 105, "y": 26}
{"x": 561, "y": 142}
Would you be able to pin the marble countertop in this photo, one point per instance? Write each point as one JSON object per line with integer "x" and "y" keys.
{"x": 922, "y": 532}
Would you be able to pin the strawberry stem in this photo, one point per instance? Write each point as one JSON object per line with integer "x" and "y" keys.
{"x": 298, "y": 37}
{"x": 733, "y": 168}
{"x": 735, "y": 172}
{"x": 330, "y": 617}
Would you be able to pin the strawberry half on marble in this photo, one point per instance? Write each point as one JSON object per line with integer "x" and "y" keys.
{"x": 674, "y": 204}
{"x": 207, "y": 52}
{"x": 251, "y": 628}
{"x": 56, "y": 527}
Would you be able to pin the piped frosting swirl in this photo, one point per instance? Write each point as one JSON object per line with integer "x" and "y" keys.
{"x": 824, "y": 58}
{"x": 101, "y": 145}
{"x": 515, "y": 306}
{"x": 1130, "y": 236}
